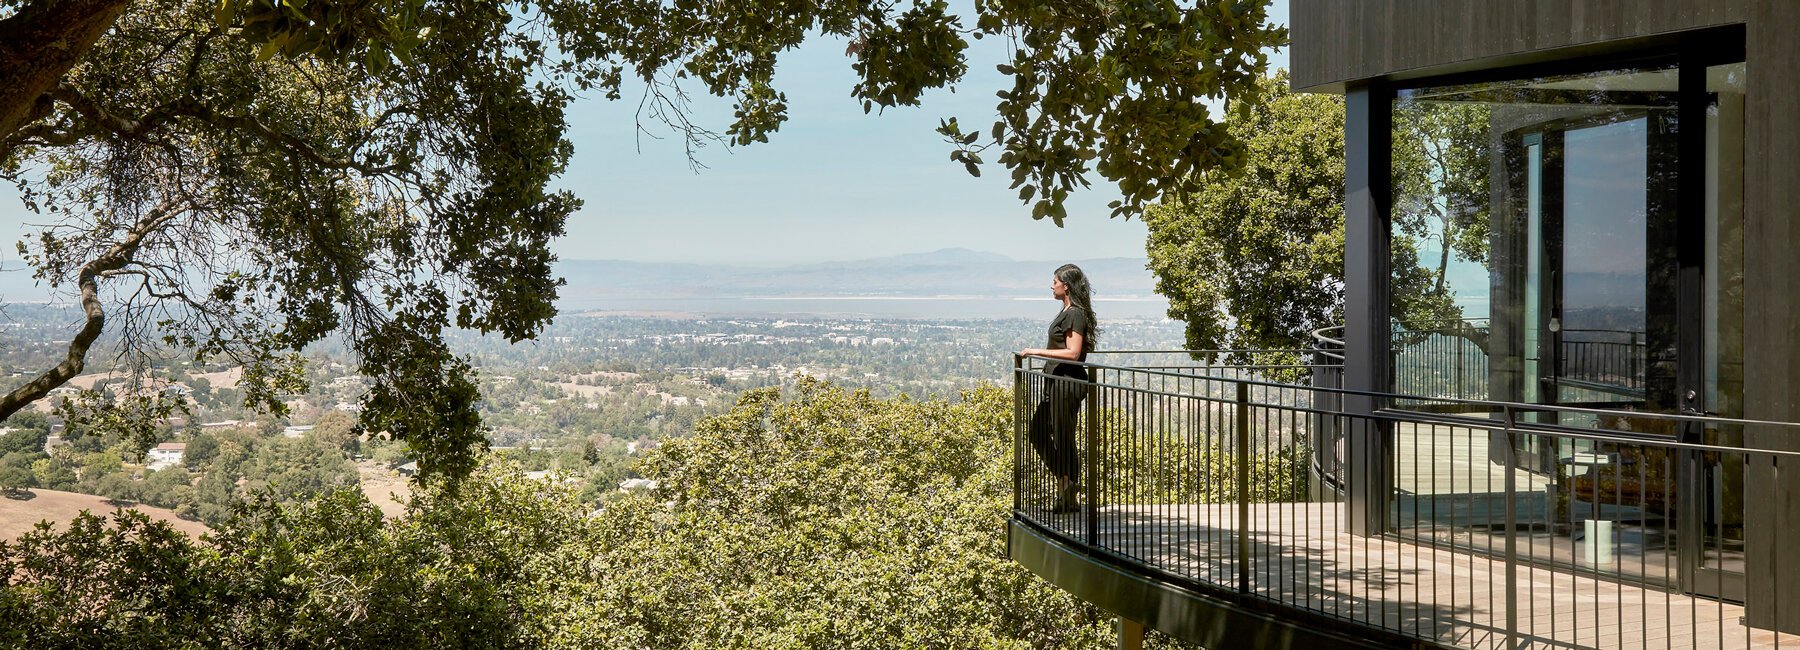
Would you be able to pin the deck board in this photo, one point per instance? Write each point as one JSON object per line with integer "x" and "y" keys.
{"x": 1302, "y": 556}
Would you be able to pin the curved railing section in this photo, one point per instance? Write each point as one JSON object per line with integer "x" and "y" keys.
{"x": 1506, "y": 525}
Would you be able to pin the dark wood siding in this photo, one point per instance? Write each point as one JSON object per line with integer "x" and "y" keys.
{"x": 1348, "y": 43}
{"x": 1772, "y": 305}
{"x": 1342, "y": 41}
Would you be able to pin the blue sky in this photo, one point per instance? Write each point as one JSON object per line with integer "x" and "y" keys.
{"x": 833, "y": 184}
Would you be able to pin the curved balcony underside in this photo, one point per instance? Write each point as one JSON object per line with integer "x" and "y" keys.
{"x": 1191, "y": 612}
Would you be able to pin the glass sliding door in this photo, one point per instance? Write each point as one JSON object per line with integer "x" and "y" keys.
{"x": 1550, "y": 225}
{"x": 1716, "y": 563}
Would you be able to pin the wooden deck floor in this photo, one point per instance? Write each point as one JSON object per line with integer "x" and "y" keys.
{"x": 1301, "y": 556}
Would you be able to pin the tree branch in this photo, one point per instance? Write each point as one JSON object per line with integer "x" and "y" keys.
{"x": 113, "y": 259}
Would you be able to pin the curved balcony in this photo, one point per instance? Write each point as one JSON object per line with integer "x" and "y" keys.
{"x": 1220, "y": 506}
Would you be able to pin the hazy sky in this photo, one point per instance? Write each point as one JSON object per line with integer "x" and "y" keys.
{"x": 833, "y": 184}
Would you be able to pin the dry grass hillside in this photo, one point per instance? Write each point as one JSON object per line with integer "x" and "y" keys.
{"x": 19, "y": 515}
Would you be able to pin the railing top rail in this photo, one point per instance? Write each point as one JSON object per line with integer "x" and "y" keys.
{"x": 1328, "y": 346}
{"x": 1487, "y": 405}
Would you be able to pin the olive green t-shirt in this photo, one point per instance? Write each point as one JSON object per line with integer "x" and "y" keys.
{"x": 1073, "y": 319}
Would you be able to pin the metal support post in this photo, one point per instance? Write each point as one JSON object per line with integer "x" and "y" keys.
{"x": 1131, "y": 634}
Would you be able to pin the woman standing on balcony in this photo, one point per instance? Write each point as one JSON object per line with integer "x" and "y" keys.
{"x": 1053, "y": 424}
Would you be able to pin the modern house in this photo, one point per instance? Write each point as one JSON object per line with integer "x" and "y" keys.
{"x": 168, "y": 454}
{"x": 1580, "y": 435}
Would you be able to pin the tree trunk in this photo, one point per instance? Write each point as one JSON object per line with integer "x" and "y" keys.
{"x": 38, "y": 45}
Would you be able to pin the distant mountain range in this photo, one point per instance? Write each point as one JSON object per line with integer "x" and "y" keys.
{"x": 948, "y": 272}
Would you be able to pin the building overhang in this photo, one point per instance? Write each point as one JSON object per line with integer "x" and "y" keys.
{"x": 1193, "y": 613}
{"x": 1337, "y": 45}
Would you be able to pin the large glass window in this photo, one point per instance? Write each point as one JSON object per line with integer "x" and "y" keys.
{"x": 1533, "y": 239}
{"x": 1568, "y": 241}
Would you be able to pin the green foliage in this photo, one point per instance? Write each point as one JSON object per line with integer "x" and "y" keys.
{"x": 827, "y": 519}
{"x": 1256, "y": 259}
{"x": 53, "y": 473}
{"x": 1166, "y": 469}
{"x": 1440, "y": 163}
{"x": 201, "y": 449}
{"x": 220, "y": 470}
{"x": 135, "y": 583}
{"x": 334, "y": 430}
{"x": 832, "y": 519}
{"x": 15, "y": 479}
{"x": 24, "y": 440}
{"x": 136, "y": 419}
{"x": 30, "y": 430}
{"x": 1116, "y": 84}
{"x": 481, "y": 569}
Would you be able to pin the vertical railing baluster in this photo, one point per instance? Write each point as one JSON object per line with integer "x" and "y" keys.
{"x": 1512, "y": 533}
{"x": 1243, "y": 486}
{"x": 1019, "y": 424}
{"x": 1093, "y": 457}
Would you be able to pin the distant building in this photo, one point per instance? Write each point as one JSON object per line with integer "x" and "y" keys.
{"x": 167, "y": 454}
{"x": 631, "y": 484}
{"x": 296, "y": 431}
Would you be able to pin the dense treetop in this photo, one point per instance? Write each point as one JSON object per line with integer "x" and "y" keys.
{"x": 819, "y": 517}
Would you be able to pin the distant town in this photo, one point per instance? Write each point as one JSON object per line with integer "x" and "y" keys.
{"x": 592, "y": 392}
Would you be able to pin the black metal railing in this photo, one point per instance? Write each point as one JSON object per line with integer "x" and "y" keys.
{"x": 1441, "y": 358}
{"x": 1449, "y": 359}
{"x": 1611, "y": 362}
{"x": 1622, "y": 533}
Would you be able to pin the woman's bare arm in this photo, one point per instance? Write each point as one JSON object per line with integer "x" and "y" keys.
{"x": 1070, "y": 351}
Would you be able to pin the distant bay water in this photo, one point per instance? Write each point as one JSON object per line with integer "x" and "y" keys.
{"x": 885, "y": 307}
{"x": 952, "y": 283}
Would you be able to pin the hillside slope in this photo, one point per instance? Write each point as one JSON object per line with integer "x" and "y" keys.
{"x": 19, "y": 516}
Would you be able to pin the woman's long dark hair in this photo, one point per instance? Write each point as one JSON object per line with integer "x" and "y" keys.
{"x": 1081, "y": 296}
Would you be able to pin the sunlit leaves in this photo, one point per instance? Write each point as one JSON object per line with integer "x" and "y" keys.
{"x": 1113, "y": 89}
{"x": 1255, "y": 259}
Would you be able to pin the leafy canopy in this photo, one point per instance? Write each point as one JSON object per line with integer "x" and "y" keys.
{"x": 820, "y": 518}
{"x": 1255, "y": 260}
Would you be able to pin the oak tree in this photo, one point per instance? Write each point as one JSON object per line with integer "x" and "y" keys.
{"x": 237, "y": 179}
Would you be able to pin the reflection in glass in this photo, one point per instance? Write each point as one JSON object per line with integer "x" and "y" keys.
{"x": 1722, "y": 357}
{"x": 1536, "y": 256}
{"x": 1528, "y": 215}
